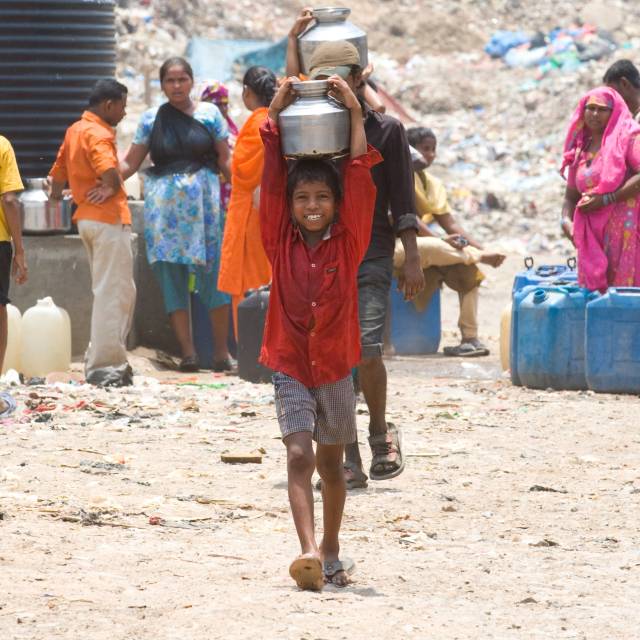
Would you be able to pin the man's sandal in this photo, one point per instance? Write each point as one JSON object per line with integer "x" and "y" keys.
{"x": 331, "y": 569}
{"x": 386, "y": 449}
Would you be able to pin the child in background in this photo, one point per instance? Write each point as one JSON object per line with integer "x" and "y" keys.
{"x": 315, "y": 230}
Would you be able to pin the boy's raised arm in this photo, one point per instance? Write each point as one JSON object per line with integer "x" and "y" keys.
{"x": 273, "y": 189}
{"x": 341, "y": 90}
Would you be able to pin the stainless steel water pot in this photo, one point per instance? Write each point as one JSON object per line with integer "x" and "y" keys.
{"x": 331, "y": 24}
{"x": 40, "y": 215}
{"x": 315, "y": 124}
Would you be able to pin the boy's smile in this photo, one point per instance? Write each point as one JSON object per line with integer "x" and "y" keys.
{"x": 313, "y": 206}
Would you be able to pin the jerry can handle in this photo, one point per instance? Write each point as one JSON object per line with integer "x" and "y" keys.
{"x": 571, "y": 263}
{"x": 624, "y": 291}
{"x": 528, "y": 262}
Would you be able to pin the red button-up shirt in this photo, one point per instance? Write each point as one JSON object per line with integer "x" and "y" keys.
{"x": 312, "y": 332}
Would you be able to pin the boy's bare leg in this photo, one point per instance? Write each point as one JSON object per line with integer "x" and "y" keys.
{"x": 334, "y": 492}
{"x": 300, "y": 466}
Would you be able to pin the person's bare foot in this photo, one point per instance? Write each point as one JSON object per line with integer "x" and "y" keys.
{"x": 493, "y": 259}
{"x": 306, "y": 570}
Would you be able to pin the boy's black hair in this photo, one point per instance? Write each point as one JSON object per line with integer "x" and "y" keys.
{"x": 106, "y": 89}
{"x": 416, "y": 135}
{"x": 622, "y": 69}
{"x": 262, "y": 82}
{"x": 176, "y": 61}
{"x": 314, "y": 170}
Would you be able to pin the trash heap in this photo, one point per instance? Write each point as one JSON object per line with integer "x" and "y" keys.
{"x": 500, "y": 120}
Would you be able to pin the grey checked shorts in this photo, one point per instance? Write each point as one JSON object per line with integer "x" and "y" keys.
{"x": 328, "y": 412}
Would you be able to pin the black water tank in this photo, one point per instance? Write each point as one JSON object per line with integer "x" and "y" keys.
{"x": 51, "y": 54}
{"x": 252, "y": 314}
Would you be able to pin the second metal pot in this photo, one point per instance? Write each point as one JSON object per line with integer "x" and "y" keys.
{"x": 40, "y": 215}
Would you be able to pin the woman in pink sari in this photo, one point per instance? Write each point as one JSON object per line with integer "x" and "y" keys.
{"x": 601, "y": 210}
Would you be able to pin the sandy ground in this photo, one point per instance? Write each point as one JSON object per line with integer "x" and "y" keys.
{"x": 513, "y": 518}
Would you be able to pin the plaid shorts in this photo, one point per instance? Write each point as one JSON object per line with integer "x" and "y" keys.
{"x": 328, "y": 412}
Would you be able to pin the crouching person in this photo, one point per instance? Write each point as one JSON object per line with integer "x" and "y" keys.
{"x": 316, "y": 227}
{"x": 88, "y": 162}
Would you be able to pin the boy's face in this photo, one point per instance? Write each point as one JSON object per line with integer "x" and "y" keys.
{"x": 427, "y": 148}
{"x": 313, "y": 205}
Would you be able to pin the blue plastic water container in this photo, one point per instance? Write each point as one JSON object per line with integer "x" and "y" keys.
{"x": 612, "y": 341}
{"x": 550, "y": 338}
{"x": 518, "y": 297}
{"x": 413, "y": 332}
{"x": 544, "y": 273}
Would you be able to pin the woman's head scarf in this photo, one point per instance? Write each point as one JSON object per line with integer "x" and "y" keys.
{"x": 610, "y": 162}
{"x": 218, "y": 94}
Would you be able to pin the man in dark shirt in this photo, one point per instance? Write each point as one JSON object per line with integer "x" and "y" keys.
{"x": 395, "y": 193}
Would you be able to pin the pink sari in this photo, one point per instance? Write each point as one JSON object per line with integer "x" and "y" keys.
{"x": 607, "y": 240}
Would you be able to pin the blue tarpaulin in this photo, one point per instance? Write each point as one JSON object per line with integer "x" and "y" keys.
{"x": 215, "y": 58}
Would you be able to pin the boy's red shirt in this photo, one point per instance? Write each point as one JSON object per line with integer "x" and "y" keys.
{"x": 312, "y": 332}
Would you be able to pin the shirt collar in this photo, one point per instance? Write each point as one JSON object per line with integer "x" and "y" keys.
{"x": 96, "y": 119}
{"x": 329, "y": 232}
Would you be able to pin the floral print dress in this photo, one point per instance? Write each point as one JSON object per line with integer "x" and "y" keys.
{"x": 183, "y": 221}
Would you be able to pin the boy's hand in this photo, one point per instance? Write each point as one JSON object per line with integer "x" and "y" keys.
{"x": 19, "y": 267}
{"x": 340, "y": 90}
{"x": 283, "y": 98}
{"x": 302, "y": 22}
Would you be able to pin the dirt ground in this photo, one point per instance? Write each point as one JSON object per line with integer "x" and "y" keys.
{"x": 118, "y": 519}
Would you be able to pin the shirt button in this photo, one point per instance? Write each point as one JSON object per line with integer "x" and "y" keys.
{"x": 313, "y": 334}
{"x": 313, "y": 264}
{"x": 313, "y": 304}
{"x": 313, "y": 362}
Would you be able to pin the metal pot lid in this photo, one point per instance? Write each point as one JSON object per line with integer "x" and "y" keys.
{"x": 331, "y": 14}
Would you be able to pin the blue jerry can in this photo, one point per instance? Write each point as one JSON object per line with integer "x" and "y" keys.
{"x": 414, "y": 332}
{"x": 544, "y": 273}
{"x": 550, "y": 338}
{"x": 613, "y": 341}
{"x": 518, "y": 297}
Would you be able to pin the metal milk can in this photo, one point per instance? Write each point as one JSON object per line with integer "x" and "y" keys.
{"x": 315, "y": 124}
{"x": 331, "y": 24}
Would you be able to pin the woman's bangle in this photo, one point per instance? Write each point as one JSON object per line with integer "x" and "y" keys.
{"x": 609, "y": 198}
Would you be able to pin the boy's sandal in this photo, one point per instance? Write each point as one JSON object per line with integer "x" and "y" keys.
{"x": 386, "y": 449}
{"x": 354, "y": 477}
{"x": 308, "y": 573}
{"x": 331, "y": 569}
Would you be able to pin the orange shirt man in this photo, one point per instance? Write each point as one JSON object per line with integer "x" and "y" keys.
{"x": 88, "y": 162}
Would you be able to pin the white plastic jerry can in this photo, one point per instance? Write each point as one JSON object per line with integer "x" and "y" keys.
{"x": 12, "y": 354}
{"x": 46, "y": 340}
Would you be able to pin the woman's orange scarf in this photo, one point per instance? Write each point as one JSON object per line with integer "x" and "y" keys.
{"x": 244, "y": 264}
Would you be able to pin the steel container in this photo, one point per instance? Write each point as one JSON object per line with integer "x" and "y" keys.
{"x": 40, "y": 215}
{"x": 331, "y": 24}
{"x": 315, "y": 124}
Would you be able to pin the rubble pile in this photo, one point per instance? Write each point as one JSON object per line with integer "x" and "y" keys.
{"x": 500, "y": 124}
